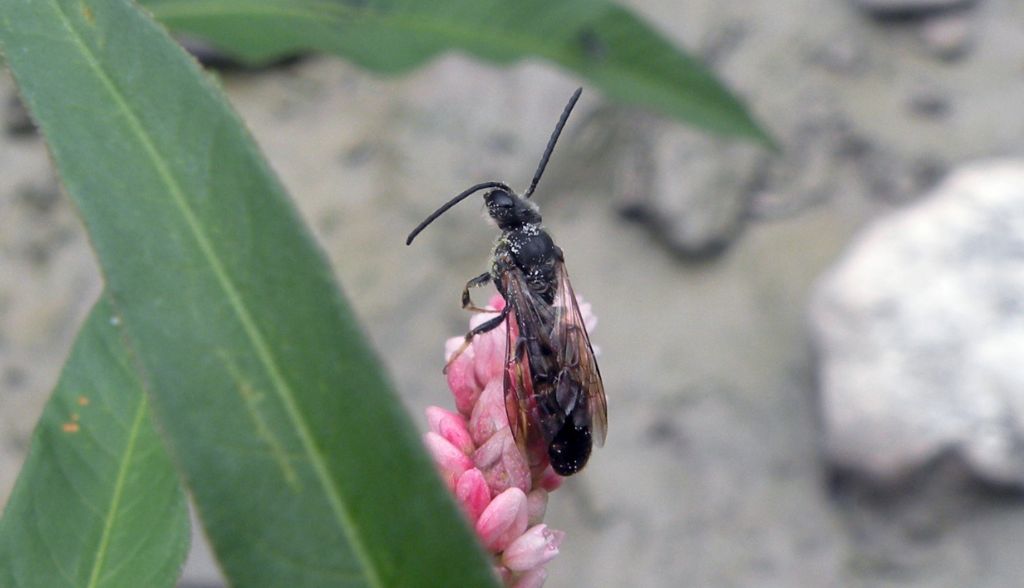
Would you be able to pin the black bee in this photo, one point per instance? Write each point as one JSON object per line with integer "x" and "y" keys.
{"x": 554, "y": 396}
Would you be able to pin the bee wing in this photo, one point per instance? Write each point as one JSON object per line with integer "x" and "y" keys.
{"x": 518, "y": 386}
{"x": 533, "y": 318}
{"x": 570, "y": 337}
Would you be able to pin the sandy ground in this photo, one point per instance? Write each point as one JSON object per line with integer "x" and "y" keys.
{"x": 711, "y": 475}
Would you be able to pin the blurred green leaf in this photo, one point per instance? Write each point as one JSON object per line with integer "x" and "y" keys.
{"x": 98, "y": 502}
{"x": 601, "y": 42}
{"x": 304, "y": 466}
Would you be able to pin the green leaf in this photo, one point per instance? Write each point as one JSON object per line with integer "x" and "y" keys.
{"x": 599, "y": 41}
{"x": 304, "y": 467}
{"x": 98, "y": 503}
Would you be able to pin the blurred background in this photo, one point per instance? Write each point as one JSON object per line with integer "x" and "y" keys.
{"x": 811, "y": 356}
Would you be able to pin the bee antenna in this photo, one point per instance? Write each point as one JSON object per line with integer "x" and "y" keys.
{"x": 551, "y": 142}
{"x": 444, "y": 208}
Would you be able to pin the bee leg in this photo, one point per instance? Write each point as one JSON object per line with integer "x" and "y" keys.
{"x": 483, "y": 327}
{"x": 467, "y": 303}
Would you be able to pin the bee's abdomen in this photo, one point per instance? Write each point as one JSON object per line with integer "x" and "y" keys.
{"x": 570, "y": 449}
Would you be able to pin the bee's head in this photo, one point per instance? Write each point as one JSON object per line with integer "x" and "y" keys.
{"x": 508, "y": 210}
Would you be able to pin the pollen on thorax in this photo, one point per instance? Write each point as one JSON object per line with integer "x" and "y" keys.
{"x": 531, "y": 229}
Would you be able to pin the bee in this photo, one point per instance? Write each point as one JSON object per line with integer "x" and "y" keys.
{"x": 554, "y": 397}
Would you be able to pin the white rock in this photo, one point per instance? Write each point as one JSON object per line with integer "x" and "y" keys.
{"x": 921, "y": 333}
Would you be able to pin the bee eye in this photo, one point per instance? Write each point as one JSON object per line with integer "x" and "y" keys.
{"x": 499, "y": 199}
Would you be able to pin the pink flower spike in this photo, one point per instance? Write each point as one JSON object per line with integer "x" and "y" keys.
{"x": 452, "y": 462}
{"x": 502, "y": 488}
{"x": 472, "y": 492}
{"x": 533, "y": 549}
{"x": 452, "y": 427}
{"x": 503, "y": 520}
{"x": 535, "y": 578}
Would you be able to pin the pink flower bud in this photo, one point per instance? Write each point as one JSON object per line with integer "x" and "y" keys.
{"x": 503, "y": 520}
{"x": 496, "y": 302}
{"x": 503, "y": 463}
{"x": 450, "y": 460}
{"x": 489, "y": 351}
{"x": 472, "y": 492}
{"x": 532, "y": 549}
{"x": 504, "y": 575}
{"x": 453, "y": 344}
{"x": 488, "y": 415}
{"x": 489, "y": 347}
{"x": 532, "y": 579}
{"x": 452, "y": 427}
{"x": 550, "y": 481}
{"x": 537, "y": 505}
{"x": 461, "y": 375}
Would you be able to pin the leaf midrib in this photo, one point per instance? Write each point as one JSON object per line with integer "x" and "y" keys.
{"x": 280, "y": 386}
{"x": 115, "y": 500}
